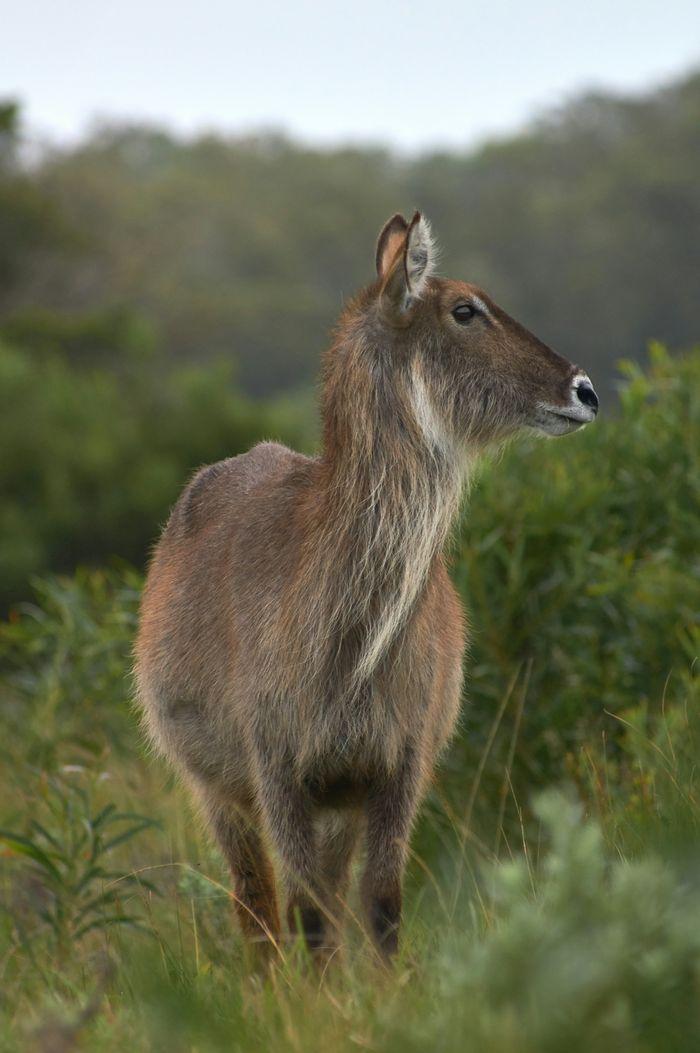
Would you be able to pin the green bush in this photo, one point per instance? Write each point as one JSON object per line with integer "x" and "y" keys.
{"x": 578, "y": 561}
{"x": 581, "y": 953}
{"x": 63, "y": 861}
{"x": 66, "y": 662}
{"x": 93, "y": 459}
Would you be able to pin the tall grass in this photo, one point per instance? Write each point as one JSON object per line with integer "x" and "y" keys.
{"x": 554, "y": 891}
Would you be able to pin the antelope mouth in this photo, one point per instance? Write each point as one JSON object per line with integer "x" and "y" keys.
{"x": 561, "y": 420}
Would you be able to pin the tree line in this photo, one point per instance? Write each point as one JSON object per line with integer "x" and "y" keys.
{"x": 137, "y": 242}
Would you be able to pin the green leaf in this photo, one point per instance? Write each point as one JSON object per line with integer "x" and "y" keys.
{"x": 110, "y": 897}
{"x": 23, "y": 846}
{"x": 116, "y": 919}
{"x": 103, "y": 817}
{"x": 88, "y": 876}
{"x": 53, "y": 841}
{"x": 128, "y": 834}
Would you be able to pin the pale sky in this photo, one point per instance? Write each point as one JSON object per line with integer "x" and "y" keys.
{"x": 412, "y": 75}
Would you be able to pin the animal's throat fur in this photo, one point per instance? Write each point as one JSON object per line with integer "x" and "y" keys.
{"x": 385, "y": 522}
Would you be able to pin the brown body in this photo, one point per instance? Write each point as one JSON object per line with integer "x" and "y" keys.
{"x": 300, "y": 647}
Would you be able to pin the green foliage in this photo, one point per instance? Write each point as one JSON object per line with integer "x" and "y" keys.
{"x": 95, "y": 458}
{"x": 66, "y": 660}
{"x": 30, "y": 222}
{"x": 67, "y": 851}
{"x": 582, "y": 952}
{"x": 112, "y": 339}
{"x": 579, "y": 563}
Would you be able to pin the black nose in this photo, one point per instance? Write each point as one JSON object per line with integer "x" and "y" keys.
{"x": 586, "y": 394}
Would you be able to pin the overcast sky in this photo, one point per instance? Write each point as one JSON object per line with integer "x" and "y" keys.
{"x": 413, "y": 75}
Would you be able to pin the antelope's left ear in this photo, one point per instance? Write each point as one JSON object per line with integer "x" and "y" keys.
{"x": 391, "y": 241}
{"x": 406, "y": 259}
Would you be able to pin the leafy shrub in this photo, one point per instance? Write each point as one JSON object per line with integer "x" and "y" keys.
{"x": 582, "y": 953}
{"x": 67, "y": 884}
{"x": 95, "y": 458}
{"x": 66, "y": 662}
{"x": 579, "y": 563}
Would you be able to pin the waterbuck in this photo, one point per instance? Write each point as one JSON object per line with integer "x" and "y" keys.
{"x": 300, "y": 648}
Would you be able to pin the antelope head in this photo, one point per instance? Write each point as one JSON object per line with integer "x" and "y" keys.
{"x": 472, "y": 373}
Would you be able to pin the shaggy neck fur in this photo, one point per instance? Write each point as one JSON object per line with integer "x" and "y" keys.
{"x": 391, "y": 484}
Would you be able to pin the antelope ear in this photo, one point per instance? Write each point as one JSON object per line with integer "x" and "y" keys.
{"x": 405, "y": 261}
{"x": 391, "y": 238}
{"x": 421, "y": 255}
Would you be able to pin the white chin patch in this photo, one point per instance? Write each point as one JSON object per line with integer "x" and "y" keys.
{"x": 560, "y": 420}
{"x": 553, "y": 424}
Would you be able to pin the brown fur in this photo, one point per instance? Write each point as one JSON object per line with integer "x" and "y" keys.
{"x": 300, "y": 646}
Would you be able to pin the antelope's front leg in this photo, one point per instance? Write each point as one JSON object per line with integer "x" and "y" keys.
{"x": 391, "y": 809}
{"x": 288, "y": 815}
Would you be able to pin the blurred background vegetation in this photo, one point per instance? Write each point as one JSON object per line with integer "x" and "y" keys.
{"x": 163, "y": 303}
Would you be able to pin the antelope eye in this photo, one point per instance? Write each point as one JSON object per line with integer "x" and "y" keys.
{"x": 463, "y": 313}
